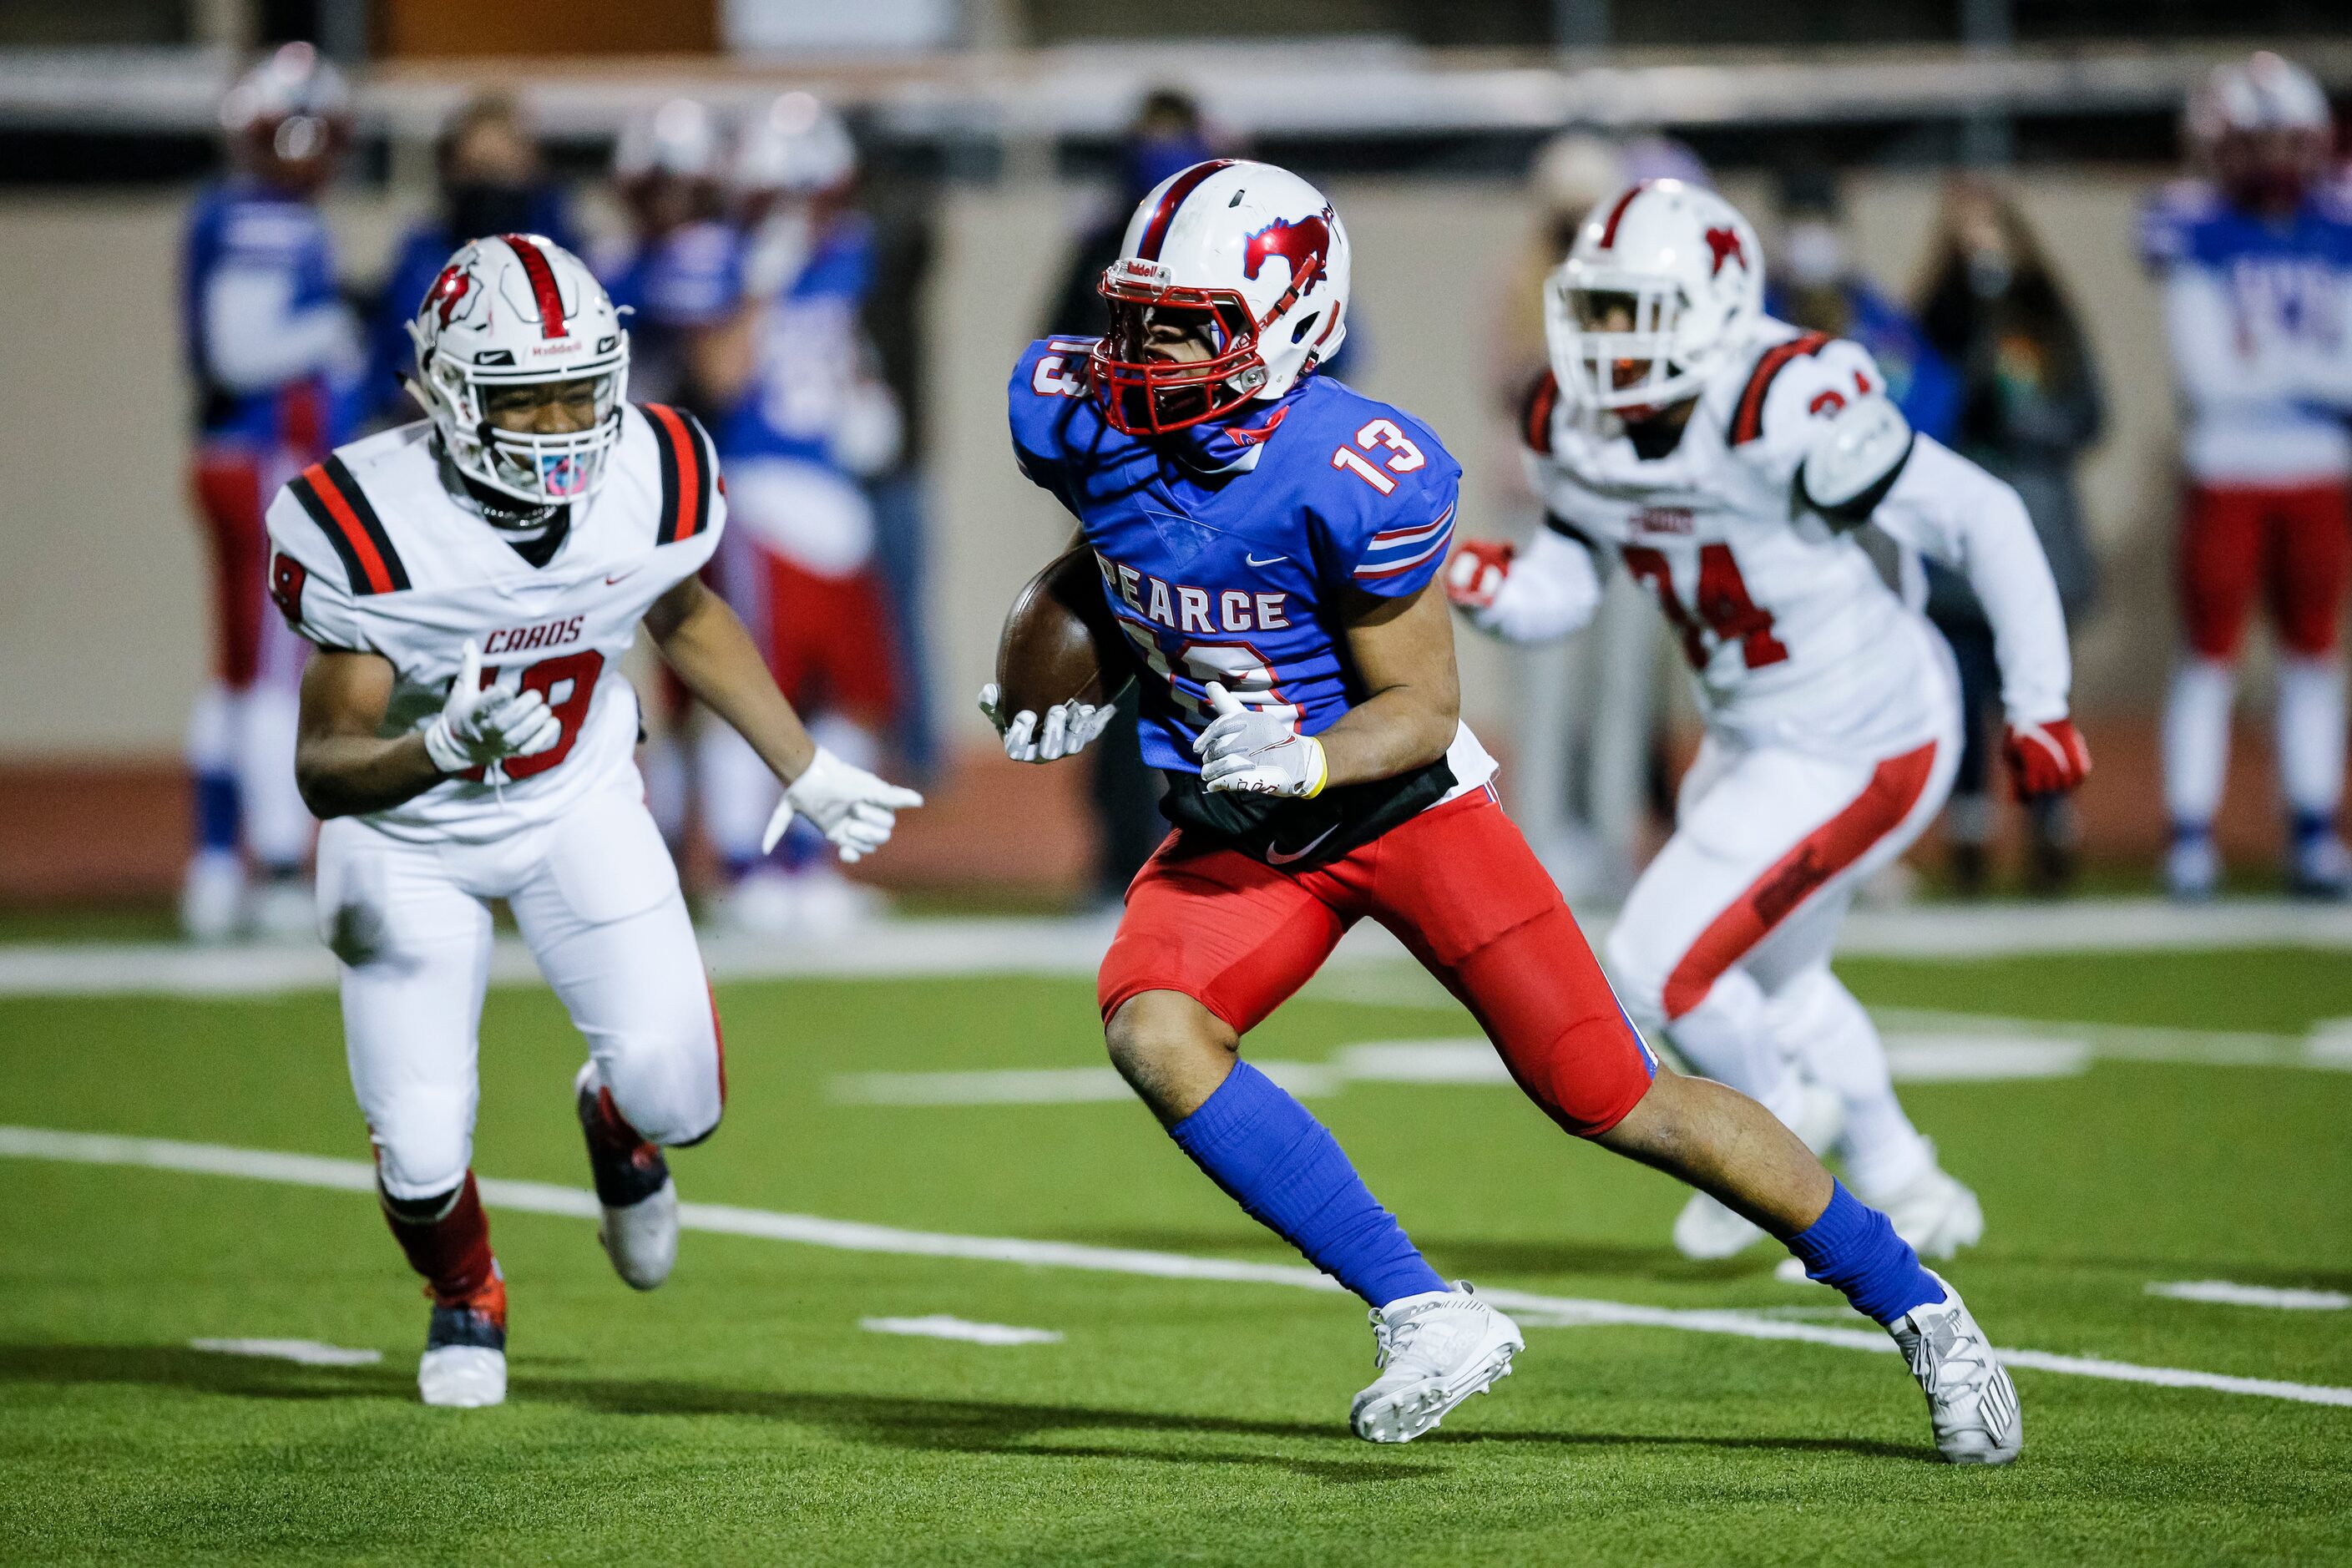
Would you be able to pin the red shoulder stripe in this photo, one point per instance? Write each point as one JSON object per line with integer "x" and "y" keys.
{"x": 1748, "y": 418}
{"x": 686, "y": 470}
{"x": 1536, "y": 412}
{"x": 373, "y": 569}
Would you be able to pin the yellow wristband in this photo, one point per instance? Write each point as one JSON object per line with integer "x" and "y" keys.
{"x": 1322, "y": 770}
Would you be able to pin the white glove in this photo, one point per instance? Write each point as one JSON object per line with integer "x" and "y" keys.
{"x": 849, "y": 806}
{"x": 1258, "y": 750}
{"x": 1069, "y": 727}
{"x": 476, "y": 727}
{"x": 1536, "y": 593}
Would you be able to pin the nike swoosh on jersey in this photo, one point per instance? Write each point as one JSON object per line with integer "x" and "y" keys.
{"x": 1267, "y": 561}
{"x": 1278, "y": 857}
{"x": 624, "y": 576}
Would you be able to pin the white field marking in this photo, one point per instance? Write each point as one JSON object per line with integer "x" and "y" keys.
{"x": 1980, "y": 1058}
{"x": 1044, "y": 1086}
{"x": 1074, "y": 947}
{"x": 309, "y": 1353}
{"x": 2229, "y": 1295}
{"x": 851, "y": 1235}
{"x": 939, "y": 1326}
{"x": 2321, "y": 1049}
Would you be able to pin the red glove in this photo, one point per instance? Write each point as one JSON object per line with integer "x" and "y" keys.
{"x": 2049, "y": 758}
{"x": 1475, "y": 573}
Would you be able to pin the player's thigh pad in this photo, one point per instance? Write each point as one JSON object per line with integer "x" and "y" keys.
{"x": 1236, "y": 936}
{"x": 414, "y": 950}
{"x": 605, "y": 919}
{"x": 1462, "y": 889}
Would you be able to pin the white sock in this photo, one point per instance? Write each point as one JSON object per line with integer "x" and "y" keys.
{"x": 277, "y": 826}
{"x": 1817, "y": 1018}
{"x": 2311, "y": 734}
{"x": 2197, "y": 739}
{"x": 739, "y": 793}
{"x": 1728, "y": 1037}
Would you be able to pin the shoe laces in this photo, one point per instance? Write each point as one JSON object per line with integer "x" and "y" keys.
{"x": 1394, "y": 1337}
{"x": 1953, "y": 1363}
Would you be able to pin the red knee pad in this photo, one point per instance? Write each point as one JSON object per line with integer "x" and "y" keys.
{"x": 1542, "y": 997}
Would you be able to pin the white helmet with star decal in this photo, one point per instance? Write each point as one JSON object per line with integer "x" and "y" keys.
{"x": 1664, "y": 285}
{"x": 518, "y": 311}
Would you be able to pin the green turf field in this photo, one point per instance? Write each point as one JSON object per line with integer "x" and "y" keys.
{"x": 743, "y": 1414}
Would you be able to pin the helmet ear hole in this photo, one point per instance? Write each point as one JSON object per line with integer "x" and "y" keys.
{"x": 1305, "y": 325}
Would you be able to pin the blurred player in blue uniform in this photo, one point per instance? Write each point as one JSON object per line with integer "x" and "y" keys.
{"x": 802, "y": 418}
{"x": 2256, "y": 264}
{"x": 1269, "y": 540}
{"x": 275, "y": 357}
{"x": 491, "y": 182}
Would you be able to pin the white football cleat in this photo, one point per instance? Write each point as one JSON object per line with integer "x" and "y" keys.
{"x": 212, "y": 898}
{"x": 1933, "y": 1211}
{"x": 462, "y": 1377}
{"x": 639, "y": 1228}
{"x": 1707, "y": 1229}
{"x": 762, "y": 902}
{"x": 831, "y": 907}
{"x": 1971, "y": 1403}
{"x": 2192, "y": 869}
{"x": 1434, "y": 1351}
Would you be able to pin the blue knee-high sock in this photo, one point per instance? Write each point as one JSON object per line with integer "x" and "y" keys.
{"x": 219, "y": 811}
{"x": 1281, "y": 1165}
{"x": 1854, "y": 1247}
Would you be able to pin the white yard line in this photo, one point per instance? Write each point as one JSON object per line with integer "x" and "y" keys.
{"x": 916, "y": 948}
{"x": 939, "y": 1326}
{"x": 2225, "y": 1293}
{"x": 307, "y": 1352}
{"x": 851, "y": 1236}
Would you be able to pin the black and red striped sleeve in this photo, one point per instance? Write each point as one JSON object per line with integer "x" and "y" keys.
{"x": 336, "y": 503}
{"x": 1747, "y": 414}
{"x": 689, "y": 473}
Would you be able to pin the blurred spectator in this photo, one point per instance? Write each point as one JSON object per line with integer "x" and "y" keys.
{"x": 802, "y": 418}
{"x": 491, "y": 182}
{"x": 1812, "y": 282}
{"x": 680, "y": 270}
{"x": 1168, "y": 135}
{"x": 2030, "y": 403}
{"x": 275, "y": 357}
{"x": 2256, "y": 264}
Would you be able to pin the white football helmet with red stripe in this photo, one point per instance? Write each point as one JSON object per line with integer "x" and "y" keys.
{"x": 517, "y": 310}
{"x": 1250, "y": 254}
{"x": 1664, "y": 285}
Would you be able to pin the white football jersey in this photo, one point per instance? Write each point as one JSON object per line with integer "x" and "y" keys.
{"x": 370, "y": 552}
{"x": 1792, "y": 636}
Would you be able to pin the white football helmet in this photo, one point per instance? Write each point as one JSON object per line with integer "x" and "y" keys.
{"x": 517, "y": 310}
{"x": 1250, "y": 254}
{"x": 796, "y": 146}
{"x": 2261, "y": 127}
{"x": 1681, "y": 268}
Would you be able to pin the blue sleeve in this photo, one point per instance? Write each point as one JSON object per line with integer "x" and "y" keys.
{"x": 2163, "y": 239}
{"x": 1383, "y": 503}
{"x": 1047, "y": 394}
{"x": 693, "y": 278}
{"x": 418, "y": 262}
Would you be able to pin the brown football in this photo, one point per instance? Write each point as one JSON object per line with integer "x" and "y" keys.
{"x": 1061, "y": 640}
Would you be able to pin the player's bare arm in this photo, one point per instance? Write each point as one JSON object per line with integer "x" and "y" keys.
{"x": 704, "y": 642}
{"x": 341, "y": 764}
{"x": 1402, "y": 650}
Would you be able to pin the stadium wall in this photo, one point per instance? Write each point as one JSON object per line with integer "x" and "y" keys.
{"x": 102, "y": 604}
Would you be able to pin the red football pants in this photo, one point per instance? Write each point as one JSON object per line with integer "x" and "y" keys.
{"x": 227, "y": 486}
{"x": 2293, "y": 541}
{"x": 1457, "y": 885}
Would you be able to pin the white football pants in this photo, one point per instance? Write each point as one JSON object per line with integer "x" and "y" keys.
{"x": 597, "y": 898}
{"x": 1723, "y": 945}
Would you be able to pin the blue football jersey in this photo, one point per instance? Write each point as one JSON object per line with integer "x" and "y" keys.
{"x": 810, "y": 351}
{"x": 1226, "y": 551}
{"x": 248, "y": 228}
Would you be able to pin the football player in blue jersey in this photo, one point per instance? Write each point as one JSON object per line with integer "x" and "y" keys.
{"x": 1269, "y": 541}
{"x": 275, "y": 357}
